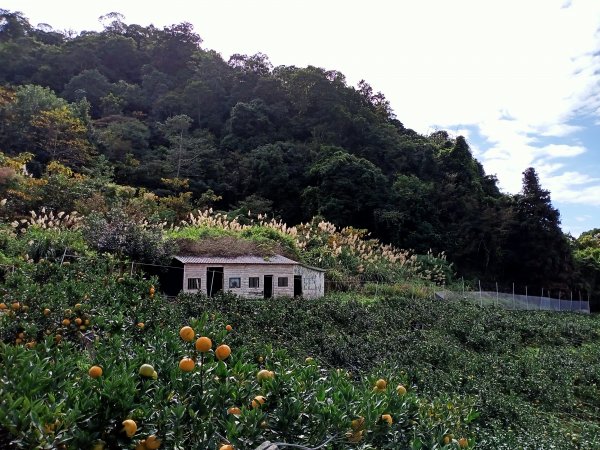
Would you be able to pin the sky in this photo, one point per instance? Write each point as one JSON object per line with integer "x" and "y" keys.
{"x": 519, "y": 79}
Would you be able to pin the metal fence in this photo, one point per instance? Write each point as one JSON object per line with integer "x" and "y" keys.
{"x": 517, "y": 301}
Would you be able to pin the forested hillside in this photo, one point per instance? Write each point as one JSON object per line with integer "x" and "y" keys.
{"x": 151, "y": 109}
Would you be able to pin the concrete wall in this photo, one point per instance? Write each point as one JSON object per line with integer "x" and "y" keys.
{"x": 313, "y": 281}
{"x": 244, "y": 272}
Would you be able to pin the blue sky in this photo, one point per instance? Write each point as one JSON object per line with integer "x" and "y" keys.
{"x": 519, "y": 79}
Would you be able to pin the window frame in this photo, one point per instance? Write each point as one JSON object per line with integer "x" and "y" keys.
{"x": 280, "y": 281}
{"x": 239, "y": 282}
{"x": 197, "y": 281}
{"x": 250, "y": 282}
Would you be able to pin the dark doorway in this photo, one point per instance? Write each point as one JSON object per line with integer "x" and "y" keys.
{"x": 214, "y": 280}
{"x": 297, "y": 285}
{"x": 268, "y": 286}
{"x": 170, "y": 278}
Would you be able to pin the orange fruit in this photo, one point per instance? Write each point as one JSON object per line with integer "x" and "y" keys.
{"x": 222, "y": 352}
{"x": 258, "y": 401}
{"x": 146, "y": 370}
{"x": 381, "y": 384}
{"x": 129, "y": 427}
{"x": 66, "y": 322}
{"x": 3, "y": 306}
{"x": 265, "y": 375}
{"x": 141, "y": 325}
{"x": 229, "y": 328}
{"x": 16, "y": 306}
{"x": 77, "y": 306}
{"x": 152, "y": 291}
{"x": 203, "y": 344}
{"x": 57, "y": 338}
{"x": 463, "y": 443}
{"x": 226, "y": 447}
{"x": 187, "y": 364}
{"x": 95, "y": 371}
{"x": 78, "y": 321}
{"x": 234, "y": 410}
{"x": 387, "y": 418}
{"x": 152, "y": 442}
{"x": 447, "y": 439}
{"x": 46, "y": 312}
{"x": 98, "y": 445}
{"x": 354, "y": 436}
{"x": 358, "y": 424}
{"x": 187, "y": 333}
{"x": 401, "y": 390}
{"x": 30, "y": 344}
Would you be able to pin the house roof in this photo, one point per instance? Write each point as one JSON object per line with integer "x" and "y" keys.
{"x": 318, "y": 269}
{"x": 249, "y": 259}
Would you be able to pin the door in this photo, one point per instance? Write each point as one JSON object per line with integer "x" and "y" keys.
{"x": 297, "y": 285}
{"x": 268, "y": 286}
{"x": 214, "y": 280}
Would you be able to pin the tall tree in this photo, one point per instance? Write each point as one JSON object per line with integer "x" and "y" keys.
{"x": 61, "y": 137}
{"x": 346, "y": 190}
{"x": 189, "y": 155}
{"x": 538, "y": 253}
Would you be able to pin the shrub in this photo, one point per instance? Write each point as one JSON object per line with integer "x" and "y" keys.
{"x": 117, "y": 234}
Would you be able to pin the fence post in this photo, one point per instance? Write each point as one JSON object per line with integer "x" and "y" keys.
{"x": 571, "y": 305}
{"x": 559, "y": 301}
{"x": 63, "y": 257}
{"x": 514, "y": 305}
{"x": 497, "y": 295}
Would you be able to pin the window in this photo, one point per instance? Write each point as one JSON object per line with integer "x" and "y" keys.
{"x": 254, "y": 282}
{"x": 282, "y": 281}
{"x": 193, "y": 284}
{"x": 234, "y": 283}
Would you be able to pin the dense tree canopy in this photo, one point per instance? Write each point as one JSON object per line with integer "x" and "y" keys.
{"x": 176, "y": 121}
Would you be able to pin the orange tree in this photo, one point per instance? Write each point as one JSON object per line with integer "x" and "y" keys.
{"x": 74, "y": 374}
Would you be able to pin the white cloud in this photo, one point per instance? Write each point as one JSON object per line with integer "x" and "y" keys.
{"x": 572, "y": 187}
{"x": 559, "y": 151}
{"x": 584, "y": 196}
{"x": 559, "y": 130}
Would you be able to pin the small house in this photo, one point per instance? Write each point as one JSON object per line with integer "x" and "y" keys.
{"x": 248, "y": 276}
